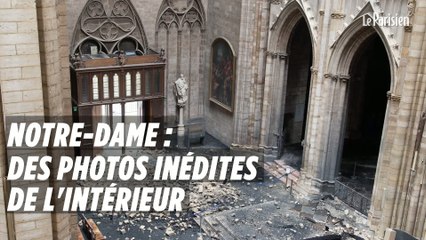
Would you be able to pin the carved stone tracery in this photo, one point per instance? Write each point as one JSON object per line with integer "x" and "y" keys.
{"x": 108, "y": 22}
{"x": 181, "y": 12}
{"x": 338, "y": 15}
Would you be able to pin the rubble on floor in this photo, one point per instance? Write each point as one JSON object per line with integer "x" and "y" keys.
{"x": 240, "y": 210}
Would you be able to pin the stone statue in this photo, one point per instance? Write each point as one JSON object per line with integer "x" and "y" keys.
{"x": 181, "y": 91}
{"x": 411, "y": 7}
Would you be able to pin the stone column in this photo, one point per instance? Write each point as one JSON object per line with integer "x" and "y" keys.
{"x": 267, "y": 100}
{"x": 319, "y": 174}
{"x": 310, "y": 123}
{"x": 181, "y": 129}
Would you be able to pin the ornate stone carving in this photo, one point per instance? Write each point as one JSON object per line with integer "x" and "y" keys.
{"x": 121, "y": 9}
{"x": 95, "y": 9}
{"x": 76, "y": 61}
{"x": 181, "y": 91}
{"x": 333, "y": 77}
{"x": 179, "y": 5}
{"x": 408, "y": 28}
{"x": 191, "y": 16}
{"x": 280, "y": 55}
{"x": 162, "y": 56}
{"x": 338, "y": 15}
{"x": 121, "y": 59}
{"x": 168, "y": 17}
{"x": 181, "y": 12}
{"x": 411, "y": 7}
{"x": 276, "y": 2}
{"x": 342, "y": 78}
{"x": 109, "y": 32}
{"x": 393, "y": 97}
{"x": 108, "y": 22}
{"x": 328, "y": 75}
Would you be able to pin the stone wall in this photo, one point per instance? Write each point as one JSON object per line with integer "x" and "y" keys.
{"x": 220, "y": 122}
{"x": 182, "y": 35}
{"x": 22, "y": 92}
{"x": 34, "y": 81}
{"x": 254, "y": 28}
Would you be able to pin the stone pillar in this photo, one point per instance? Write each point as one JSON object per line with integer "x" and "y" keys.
{"x": 382, "y": 191}
{"x": 309, "y": 118}
{"x": 318, "y": 174}
{"x": 281, "y": 69}
{"x": 181, "y": 129}
{"x": 399, "y": 193}
{"x": 266, "y": 108}
{"x": 22, "y": 94}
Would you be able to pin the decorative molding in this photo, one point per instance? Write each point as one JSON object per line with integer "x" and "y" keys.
{"x": 180, "y": 13}
{"x": 76, "y": 61}
{"x": 342, "y": 78}
{"x": 314, "y": 70}
{"x": 333, "y": 77}
{"x": 408, "y": 28}
{"x": 393, "y": 97}
{"x": 280, "y": 55}
{"x": 328, "y": 75}
{"x": 338, "y": 15}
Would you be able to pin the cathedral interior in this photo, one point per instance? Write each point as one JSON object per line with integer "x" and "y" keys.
{"x": 319, "y": 87}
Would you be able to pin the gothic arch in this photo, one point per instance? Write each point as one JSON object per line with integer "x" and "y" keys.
{"x": 282, "y": 28}
{"x": 107, "y": 24}
{"x": 277, "y": 73}
{"x": 337, "y": 82}
{"x": 176, "y": 11}
{"x": 346, "y": 46}
{"x": 180, "y": 31}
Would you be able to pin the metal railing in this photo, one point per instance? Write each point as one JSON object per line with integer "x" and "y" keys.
{"x": 351, "y": 197}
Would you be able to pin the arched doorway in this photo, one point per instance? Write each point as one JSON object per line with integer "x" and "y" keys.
{"x": 366, "y": 104}
{"x": 297, "y": 80}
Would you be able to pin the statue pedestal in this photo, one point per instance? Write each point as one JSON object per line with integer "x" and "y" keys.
{"x": 181, "y": 130}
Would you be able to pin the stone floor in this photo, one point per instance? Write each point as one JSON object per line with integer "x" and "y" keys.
{"x": 264, "y": 209}
{"x": 283, "y": 216}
